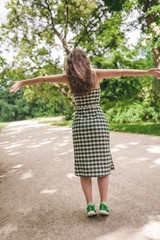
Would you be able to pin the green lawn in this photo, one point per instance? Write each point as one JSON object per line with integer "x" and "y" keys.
{"x": 59, "y": 121}
{"x": 150, "y": 128}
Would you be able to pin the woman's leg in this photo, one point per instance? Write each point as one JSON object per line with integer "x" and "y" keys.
{"x": 86, "y": 183}
{"x": 103, "y": 187}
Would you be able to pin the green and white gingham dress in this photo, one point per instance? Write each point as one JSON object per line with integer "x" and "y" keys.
{"x": 91, "y": 140}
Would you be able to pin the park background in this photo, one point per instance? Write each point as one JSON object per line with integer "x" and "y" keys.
{"x": 42, "y": 33}
{"x": 40, "y": 196}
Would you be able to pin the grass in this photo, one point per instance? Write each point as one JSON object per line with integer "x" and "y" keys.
{"x": 58, "y": 121}
{"x": 2, "y": 125}
{"x": 151, "y": 128}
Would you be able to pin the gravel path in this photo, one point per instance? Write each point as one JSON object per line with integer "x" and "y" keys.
{"x": 40, "y": 198}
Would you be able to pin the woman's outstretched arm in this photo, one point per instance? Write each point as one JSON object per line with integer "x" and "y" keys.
{"x": 110, "y": 73}
{"x": 60, "y": 78}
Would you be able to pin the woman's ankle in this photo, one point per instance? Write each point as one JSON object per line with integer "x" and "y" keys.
{"x": 90, "y": 203}
{"x": 105, "y": 202}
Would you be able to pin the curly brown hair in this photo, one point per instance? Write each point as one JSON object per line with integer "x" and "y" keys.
{"x": 79, "y": 72}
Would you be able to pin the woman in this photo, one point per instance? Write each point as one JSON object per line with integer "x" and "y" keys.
{"x": 92, "y": 156}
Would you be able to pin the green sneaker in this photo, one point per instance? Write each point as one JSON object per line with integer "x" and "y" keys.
{"x": 91, "y": 211}
{"x": 103, "y": 209}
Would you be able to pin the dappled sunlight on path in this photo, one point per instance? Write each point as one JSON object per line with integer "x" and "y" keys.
{"x": 41, "y": 198}
{"x": 154, "y": 149}
{"x": 51, "y": 191}
{"x": 150, "y": 231}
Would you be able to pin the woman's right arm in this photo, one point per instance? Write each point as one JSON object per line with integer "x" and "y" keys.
{"x": 59, "y": 78}
{"x": 110, "y": 73}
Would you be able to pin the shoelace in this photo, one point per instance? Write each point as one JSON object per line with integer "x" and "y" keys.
{"x": 104, "y": 207}
{"x": 91, "y": 208}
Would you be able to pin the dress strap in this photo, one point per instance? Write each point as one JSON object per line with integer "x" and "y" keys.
{"x": 94, "y": 79}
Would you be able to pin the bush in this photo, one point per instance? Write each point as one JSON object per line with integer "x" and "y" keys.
{"x": 69, "y": 112}
{"x": 132, "y": 113}
{"x": 13, "y": 107}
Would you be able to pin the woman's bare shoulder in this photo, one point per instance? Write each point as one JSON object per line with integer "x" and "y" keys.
{"x": 96, "y": 78}
{"x": 106, "y": 73}
{"x": 98, "y": 73}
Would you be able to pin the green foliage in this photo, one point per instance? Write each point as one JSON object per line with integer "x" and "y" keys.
{"x": 116, "y": 5}
{"x": 132, "y": 113}
{"x": 96, "y": 26}
{"x": 2, "y": 61}
{"x": 121, "y": 89}
{"x": 14, "y": 107}
{"x": 69, "y": 112}
{"x": 154, "y": 9}
{"x": 41, "y": 21}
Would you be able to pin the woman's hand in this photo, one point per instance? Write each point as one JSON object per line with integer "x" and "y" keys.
{"x": 155, "y": 72}
{"x": 17, "y": 86}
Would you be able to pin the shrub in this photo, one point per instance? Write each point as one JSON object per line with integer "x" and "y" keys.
{"x": 132, "y": 113}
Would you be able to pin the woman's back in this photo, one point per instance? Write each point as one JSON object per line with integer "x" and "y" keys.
{"x": 90, "y": 134}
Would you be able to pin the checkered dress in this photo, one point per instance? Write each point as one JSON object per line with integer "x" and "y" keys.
{"x": 91, "y": 142}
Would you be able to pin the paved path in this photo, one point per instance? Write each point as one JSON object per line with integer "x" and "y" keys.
{"x": 40, "y": 198}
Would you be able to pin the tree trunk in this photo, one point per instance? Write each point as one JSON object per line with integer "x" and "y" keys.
{"x": 156, "y": 56}
{"x": 147, "y": 4}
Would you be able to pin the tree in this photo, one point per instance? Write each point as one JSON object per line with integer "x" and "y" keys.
{"x": 34, "y": 23}
{"x": 32, "y": 28}
{"x": 151, "y": 14}
{"x": 151, "y": 29}
{"x": 149, "y": 21}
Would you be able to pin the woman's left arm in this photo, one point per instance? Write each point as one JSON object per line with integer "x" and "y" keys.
{"x": 60, "y": 78}
{"x": 109, "y": 73}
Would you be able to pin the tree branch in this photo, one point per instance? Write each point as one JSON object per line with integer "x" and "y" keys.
{"x": 67, "y": 20}
{"x": 40, "y": 4}
{"x": 147, "y": 5}
{"x": 156, "y": 56}
{"x": 55, "y": 30}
